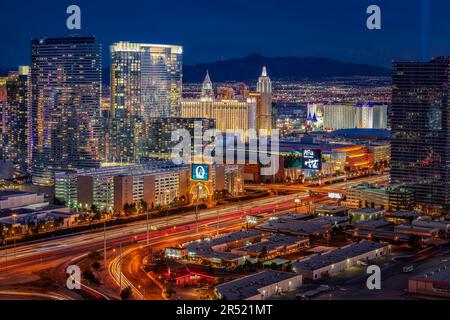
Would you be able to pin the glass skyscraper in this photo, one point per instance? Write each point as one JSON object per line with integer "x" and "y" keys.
{"x": 421, "y": 131}
{"x": 66, "y": 81}
{"x": 16, "y": 117}
{"x": 146, "y": 82}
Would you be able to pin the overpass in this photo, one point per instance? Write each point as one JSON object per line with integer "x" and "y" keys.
{"x": 340, "y": 187}
{"x": 294, "y": 188}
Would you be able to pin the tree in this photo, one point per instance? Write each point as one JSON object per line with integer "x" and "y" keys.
{"x": 89, "y": 276}
{"x": 96, "y": 266}
{"x": 95, "y": 256}
{"x": 129, "y": 209}
{"x": 94, "y": 208}
{"x": 126, "y": 293}
{"x": 58, "y": 202}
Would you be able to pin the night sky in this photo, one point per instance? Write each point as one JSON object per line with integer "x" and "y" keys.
{"x": 211, "y": 30}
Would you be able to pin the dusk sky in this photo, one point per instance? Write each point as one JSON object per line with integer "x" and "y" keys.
{"x": 212, "y": 30}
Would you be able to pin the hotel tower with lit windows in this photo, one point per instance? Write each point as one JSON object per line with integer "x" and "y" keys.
{"x": 66, "y": 84}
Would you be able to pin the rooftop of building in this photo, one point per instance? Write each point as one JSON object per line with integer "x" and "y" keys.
{"x": 366, "y": 211}
{"x": 73, "y": 39}
{"x": 151, "y": 167}
{"x": 406, "y": 227}
{"x": 295, "y": 216}
{"x": 379, "y": 133}
{"x": 337, "y": 255}
{"x": 373, "y": 224}
{"x": 208, "y": 253}
{"x": 248, "y": 287}
{"x": 14, "y": 193}
{"x": 204, "y": 247}
{"x": 315, "y": 226}
{"x": 24, "y": 216}
{"x": 432, "y": 222}
{"x": 331, "y": 209}
{"x": 404, "y": 214}
{"x": 235, "y": 236}
{"x": 439, "y": 273}
{"x": 382, "y": 189}
{"x": 380, "y": 234}
{"x": 273, "y": 243}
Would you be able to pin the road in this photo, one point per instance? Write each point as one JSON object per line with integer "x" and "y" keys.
{"x": 126, "y": 268}
{"x": 29, "y": 258}
{"x": 19, "y": 266}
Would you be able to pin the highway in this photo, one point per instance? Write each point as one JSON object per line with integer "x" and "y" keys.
{"x": 19, "y": 265}
{"x": 29, "y": 258}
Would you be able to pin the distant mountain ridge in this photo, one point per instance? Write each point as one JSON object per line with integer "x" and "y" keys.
{"x": 279, "y": 68}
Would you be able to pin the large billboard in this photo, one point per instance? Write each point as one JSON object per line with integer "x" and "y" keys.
{"x": 312, "y": 159}
{"x": 200, "y": 172}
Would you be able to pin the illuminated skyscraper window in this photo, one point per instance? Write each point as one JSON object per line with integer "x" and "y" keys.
{"x": 66, "y": 80}
{"x": 146, "y": 82}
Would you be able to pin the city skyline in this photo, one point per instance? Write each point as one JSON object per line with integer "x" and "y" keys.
{"x": 268, "y": 179}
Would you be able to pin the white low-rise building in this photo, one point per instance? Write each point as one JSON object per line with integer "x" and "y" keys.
{"x": 17, "y": 199}
{"x": 260, "y": 286}
{"x": 319, "y": 266}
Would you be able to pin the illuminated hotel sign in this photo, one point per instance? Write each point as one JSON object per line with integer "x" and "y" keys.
{"x": 200, "y": 172}
{"x": 312, "y": 159}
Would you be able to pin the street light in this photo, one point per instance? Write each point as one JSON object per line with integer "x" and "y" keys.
{"x": 14, "y": 236}
{"x": 148, "y": 227}
{"x": 199, "y": 188}
{"x": 167, "y": 192}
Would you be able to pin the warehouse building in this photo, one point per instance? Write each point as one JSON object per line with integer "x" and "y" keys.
{"x": 320, "y": 266}
{"x": 434, "y": 282}
{"x": 260, "y": 286}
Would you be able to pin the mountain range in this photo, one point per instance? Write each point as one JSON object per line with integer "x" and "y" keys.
{"x": 279, "y": 68}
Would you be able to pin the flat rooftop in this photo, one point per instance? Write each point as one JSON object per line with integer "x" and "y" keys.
{"x": 248, "y": 287}
{"x": 404, "y": 215}
{"x": 14, "y": 193}
{"x": 302, "y": 227}
{"x": 331, "y": 209}
{"x": 235, "y": 236}
{"x": 439, "y": 273}
{"x": 367, "y": 211}
{"x": 375, "y": 224}
{"x": 210, "y": 254}
{"x": 273, "y": 243}
{"x": 380, "y": 234}
{"x": 295, "y": 216}
{"x": 418, "y": 228}
{"x": 337, "y": 255}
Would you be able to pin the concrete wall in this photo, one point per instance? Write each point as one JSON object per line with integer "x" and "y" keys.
{"x": 123, "y": 192}
{"x": 85, "y": 190}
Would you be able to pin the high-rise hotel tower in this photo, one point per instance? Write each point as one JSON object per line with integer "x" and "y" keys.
{"x": 66, "y": 84}
{"x": 264, "y": 112}
{"x": 17, "y": 124}
{"x": 421, "y": 131}
{"x": 146, "y": 82}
